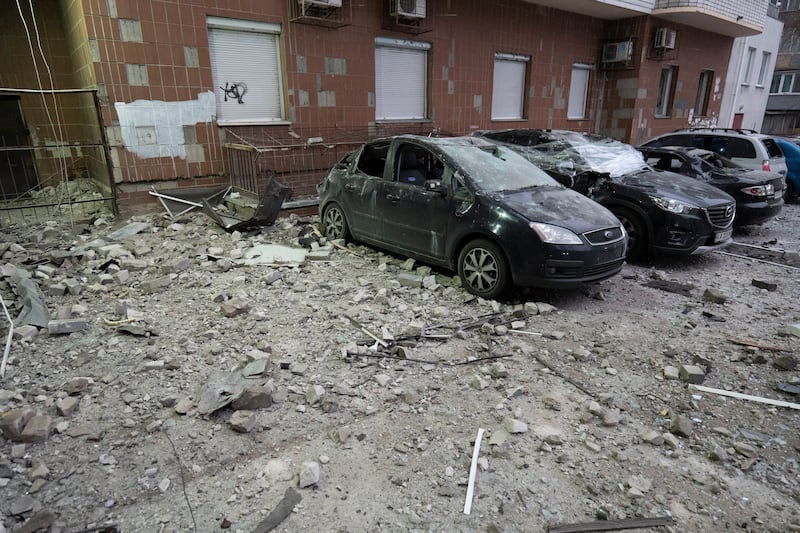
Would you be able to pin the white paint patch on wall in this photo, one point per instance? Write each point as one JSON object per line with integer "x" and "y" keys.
{"x": 152, "y": 128}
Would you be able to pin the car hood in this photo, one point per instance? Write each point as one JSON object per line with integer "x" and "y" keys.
{"x": 557, "y": 206}
{"x": 676, "y": 186}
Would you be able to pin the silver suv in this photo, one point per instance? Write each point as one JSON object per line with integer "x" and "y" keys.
{"x": 745, "y": 147}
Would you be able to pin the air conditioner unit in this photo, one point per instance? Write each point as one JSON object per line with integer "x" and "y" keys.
{"x": 665, "y": 39}
{"x": 408, "y": 8}
{"x": 617, "y": 52}
{"x": 323, "y": 3}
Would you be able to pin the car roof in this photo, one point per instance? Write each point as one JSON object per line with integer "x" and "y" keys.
{"x": 688, "y": 150}
{"x": 730, "y": 132}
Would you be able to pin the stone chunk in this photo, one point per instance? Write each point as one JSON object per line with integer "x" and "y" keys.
{"x": 681, "y": 425}
{"x": 13, "y": 422}
{"x": 512, "y": 425}
{"x": 26, "y": 332}
{"x": 652, "y": 437}
{"x": 67, "y": 406}
{"x": 692, "y": 374}
{"x": 37, "y": 429}
{"x": 155, "y": 285}
{"x": 714, "y": 296}
{"x": 671, "y": 372}
{"x": 314, "y": 394}
{"x": 70, "y": 325}
{"x": 243, "y": 421}
{"x": 234, "y": 307}
{"x": 252, "y": 398}
{"x": 309, "y": 474}
{"x": 78, "y": 385}
{"x": 57, "y": 289}
{"x": 73, "y": 286}
{"x": 409, "y": 280}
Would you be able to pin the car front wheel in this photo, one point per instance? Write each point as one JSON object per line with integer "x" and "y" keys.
{"x": 483, "y": 269}
{"x": 334, "y": 224}
{"x": 637, "y": 232}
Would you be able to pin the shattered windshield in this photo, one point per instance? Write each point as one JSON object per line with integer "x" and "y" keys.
{"x": 497, "y": 168}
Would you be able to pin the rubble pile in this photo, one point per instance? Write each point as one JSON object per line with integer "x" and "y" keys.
{"x": 165, "y": 375}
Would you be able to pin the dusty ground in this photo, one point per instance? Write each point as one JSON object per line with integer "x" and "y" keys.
{"x": 393, "y": 439}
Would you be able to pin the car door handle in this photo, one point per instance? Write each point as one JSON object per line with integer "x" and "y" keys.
{"x": 350, "y": 187}
{"x": 392, "y": 197}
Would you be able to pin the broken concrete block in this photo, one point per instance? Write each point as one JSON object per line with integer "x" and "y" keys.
{"x": 67, "y": 406}
{"x": 512, "y": 425}
{"x": 243, "y": 421}
{"x": 744, "y": 449}
{"x": 692, "y": 374}
{"x": 234, "y": 307}
{"x": 25, "y": 333}
{"x": 314, "y": 394}
{"x": 73, "y": 286}
{"x": 13, "y": 422}
{"x": 309, "y": 474}
{"x": 78, "y": 385}
{"x": 62, "y": 327}
{"x": 714, "y": 296}
{"x": 319, "y": 255}
{"x": 122, "y": 277}
{"x": 37, "y": 429}
{"x": 105, "y": 279}
{"x": 157, "y": 284}
{"x": 651, "y": 437}
{"x": 409, "y": 280}
{"x": 681, "y": 425}
{"x": 57, "y": 289}
{"x": 252, "y": 398}
{"x": 671, "y": 372}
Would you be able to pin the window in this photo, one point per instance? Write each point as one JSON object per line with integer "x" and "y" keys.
{"x": 508, "y": 87}
{"x": 762, "y": 73}
{"x": 784, "y": 83}
{"x": 578, "y": 90}
{"x": 400, "y": 79}
{"x": 245, "y": 65}
{"x": 703, "y": 92}
{"x": 666, "y": 86}
{"x": 748, "y": 66}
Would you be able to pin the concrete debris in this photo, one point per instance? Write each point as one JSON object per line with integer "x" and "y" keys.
{"x": 309, "y": 474}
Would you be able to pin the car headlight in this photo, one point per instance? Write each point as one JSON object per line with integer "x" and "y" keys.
{"x": 555, "y": 234}
{"x": 760, "y": 190}
{"x": 673, "y": 206}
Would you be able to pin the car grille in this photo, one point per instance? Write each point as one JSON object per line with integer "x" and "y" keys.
{"x": 721, "y": 216}
{"x": 604, "y": 236}
{"x": 605, "y": 267}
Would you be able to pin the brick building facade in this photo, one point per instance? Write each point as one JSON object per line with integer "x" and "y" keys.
{"x": 295, "y": 84}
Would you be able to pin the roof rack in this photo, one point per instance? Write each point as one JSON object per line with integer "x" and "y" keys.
{"x": 726, "y": 130}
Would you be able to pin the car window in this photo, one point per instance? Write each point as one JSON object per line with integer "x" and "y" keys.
{"x": 672, "y": 140}
{"x": 733, "y": 147}
{"x": 373, "y": 159}
{"x": 772, "y": 147}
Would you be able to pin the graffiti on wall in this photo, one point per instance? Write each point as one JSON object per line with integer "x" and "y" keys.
{"x": 234, "y": 91}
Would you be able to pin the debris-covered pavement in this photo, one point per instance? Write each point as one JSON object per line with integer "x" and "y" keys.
{"x": 174, "y": 377}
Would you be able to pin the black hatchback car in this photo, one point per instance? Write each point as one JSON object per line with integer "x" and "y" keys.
{"x": 471, "y": 206}
{"x": 663, "y": 212}
{"x": 758, "y": 194}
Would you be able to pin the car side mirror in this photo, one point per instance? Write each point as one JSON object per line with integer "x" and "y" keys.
{"x": 434, "y": 186}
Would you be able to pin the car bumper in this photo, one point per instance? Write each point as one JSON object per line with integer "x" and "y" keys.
{"x": 571, "y": 266}
{"x": 757, "y": 212}
{"x": 686, "y": 235}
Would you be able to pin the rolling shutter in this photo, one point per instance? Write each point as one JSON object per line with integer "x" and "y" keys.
{"x": 508, "y": 87}
{"x": 578, "y": 88}
{"x": 400, "y": 79}
{"x": 246, "y": 61}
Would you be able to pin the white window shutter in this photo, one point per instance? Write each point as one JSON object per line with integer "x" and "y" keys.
{"x": 508, "y": 89}
{"x": 578, "y": 89}
{"x": 400, "y": 76}
{"x": 249, "y": 58}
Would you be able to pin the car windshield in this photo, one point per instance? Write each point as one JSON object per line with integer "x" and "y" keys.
{"x": 711, "y": 160}
{"x": 497, "y": 168}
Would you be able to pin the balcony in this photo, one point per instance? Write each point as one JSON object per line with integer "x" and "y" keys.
{"x": 735, "y": 18}
{"x": 602, "y": 9}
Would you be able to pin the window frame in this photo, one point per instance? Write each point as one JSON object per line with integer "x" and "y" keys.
{"x": 666, "y": 91}
{"x": 387, "y": 94}
{"x": 766, "y": 58}
{"x": 512, "y": 91}
{"x": 273, "y": 99}
{"x": 703, "y": 93}
{"x": 583, "y": 95}
{"x": 748, "y": 66}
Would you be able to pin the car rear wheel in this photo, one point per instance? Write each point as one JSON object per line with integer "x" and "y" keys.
{"x": 483, "y": 269}
{"x": 789, "y": 193}
{"x": 636, "y": 229}
{"x": 334, "y": 224}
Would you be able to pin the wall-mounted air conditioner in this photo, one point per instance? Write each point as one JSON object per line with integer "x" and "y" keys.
{"x": 407, "y": 8}
{"x": 323, "y": 3}
{"x": 617, "y": 52}
{"x": 664, "y": 39}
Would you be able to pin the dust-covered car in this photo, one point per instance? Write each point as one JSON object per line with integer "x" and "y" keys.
{"x": 758, "y": 194}
{"x": 663, "y": 212}
{"x": 471, "y": 206}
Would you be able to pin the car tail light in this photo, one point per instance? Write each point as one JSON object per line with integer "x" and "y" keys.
{"x": 765, "y": 165}
{"x": 759, "y": 190}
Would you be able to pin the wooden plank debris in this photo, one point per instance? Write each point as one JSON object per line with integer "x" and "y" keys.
{"x": 759, "y": 345}
{"x": 472, "y": 471}
{"x": 612, "y": 525}
{"x": 740, "y": 396}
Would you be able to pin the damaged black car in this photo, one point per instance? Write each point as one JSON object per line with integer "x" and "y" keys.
{"x": 758, "y": 194}
{"x": 663, "y": 212}
{"x": 474, "y": 207}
